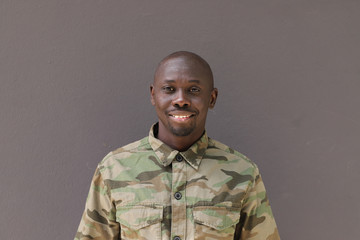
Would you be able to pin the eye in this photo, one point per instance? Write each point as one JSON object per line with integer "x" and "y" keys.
{"x": 194, "y": 89}
{"x": 168, "y": 89}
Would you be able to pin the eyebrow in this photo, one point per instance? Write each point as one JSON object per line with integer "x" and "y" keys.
{"x": 169, "y": 81}
{"x": 172, "y": 81}
{"x": 195, "y": 81}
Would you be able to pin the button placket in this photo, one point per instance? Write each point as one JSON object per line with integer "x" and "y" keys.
{"x": 178, "y": 202}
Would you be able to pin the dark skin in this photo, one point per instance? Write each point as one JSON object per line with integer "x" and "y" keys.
{"x": 182, "y": 93}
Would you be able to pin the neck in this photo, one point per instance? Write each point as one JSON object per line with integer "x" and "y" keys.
{"x": 180, "y": 143}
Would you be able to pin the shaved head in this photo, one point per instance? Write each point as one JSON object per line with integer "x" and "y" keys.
{"x": 191, "y": 59}
{"x": 182, "y": 93}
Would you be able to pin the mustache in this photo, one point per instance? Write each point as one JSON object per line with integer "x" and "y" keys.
{"x": 186, "y": 109}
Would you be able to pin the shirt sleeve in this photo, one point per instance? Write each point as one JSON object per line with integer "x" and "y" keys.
{"x": 98, "y": 221}
{"x": 256, "y": 220}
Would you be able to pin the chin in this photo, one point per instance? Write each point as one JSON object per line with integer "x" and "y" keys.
{"x": 182, "y": 132}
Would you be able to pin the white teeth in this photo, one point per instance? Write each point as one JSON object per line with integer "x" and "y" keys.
{"x": 177, "y": 116}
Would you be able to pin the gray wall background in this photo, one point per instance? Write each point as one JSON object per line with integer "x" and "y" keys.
{"x": 75, "y": 81}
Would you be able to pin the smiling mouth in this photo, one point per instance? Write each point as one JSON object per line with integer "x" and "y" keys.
{"x": 181, "y": 117}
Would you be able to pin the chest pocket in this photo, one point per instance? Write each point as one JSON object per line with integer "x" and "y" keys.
{"x": 215, "y": 222}
{"x": 140, "y": 222}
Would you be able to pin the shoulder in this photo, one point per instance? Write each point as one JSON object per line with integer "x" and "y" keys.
{"x": 229, "y": 154}
{"x": 128, "y": 151}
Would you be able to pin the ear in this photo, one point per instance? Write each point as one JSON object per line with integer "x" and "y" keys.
{"x": 213, "y": 97}
{"x": 152, "y": 95}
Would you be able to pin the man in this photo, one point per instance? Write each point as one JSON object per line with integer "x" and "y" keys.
{"x": 178, "y": 183}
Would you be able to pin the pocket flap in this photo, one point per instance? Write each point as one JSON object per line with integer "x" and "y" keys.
{"x": 218, "y": 218}
{"x": 136, "y": 217}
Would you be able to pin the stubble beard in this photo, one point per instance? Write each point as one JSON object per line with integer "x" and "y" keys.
{"x": 182, "y": 131}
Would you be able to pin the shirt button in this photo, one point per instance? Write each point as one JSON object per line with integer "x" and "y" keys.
{"x": 176, "y": 238}
{"x": 179, "y": 158}
{"x": 177, "y": 195}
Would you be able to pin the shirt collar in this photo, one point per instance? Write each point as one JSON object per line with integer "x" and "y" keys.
{"x": 166, "y": 154}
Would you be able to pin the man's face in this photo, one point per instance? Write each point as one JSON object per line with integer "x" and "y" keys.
{"x": 182, "y": 94}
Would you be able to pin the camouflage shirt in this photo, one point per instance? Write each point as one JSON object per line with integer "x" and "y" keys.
{"x": 146, "y": 190}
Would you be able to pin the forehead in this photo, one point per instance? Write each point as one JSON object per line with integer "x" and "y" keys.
{"x": 182, "y": 68}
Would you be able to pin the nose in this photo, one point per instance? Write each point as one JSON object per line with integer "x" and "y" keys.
{"x": 181, "y": 100}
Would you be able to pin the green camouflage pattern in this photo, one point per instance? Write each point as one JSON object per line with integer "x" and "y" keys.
{"x": 132, "y": 195}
